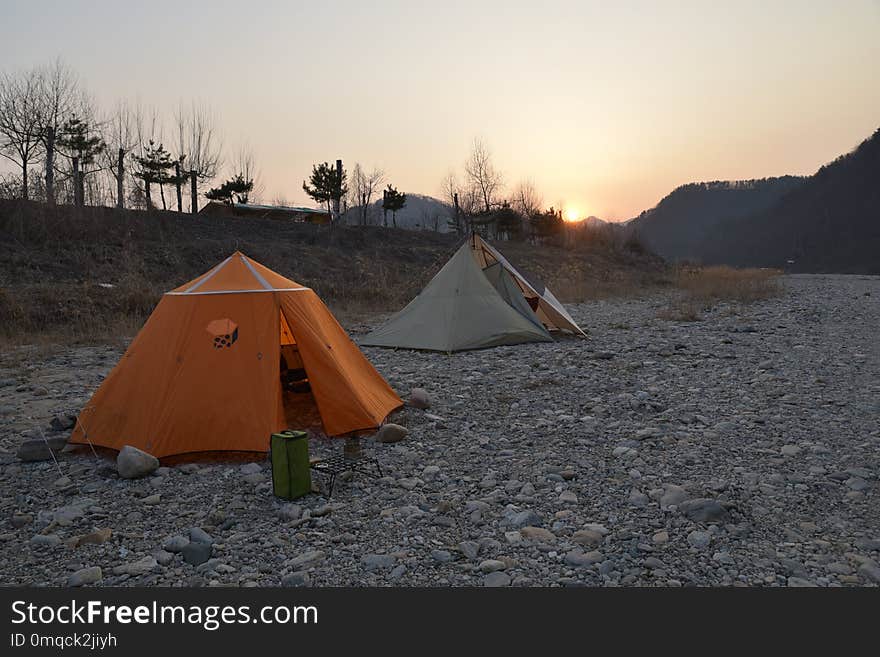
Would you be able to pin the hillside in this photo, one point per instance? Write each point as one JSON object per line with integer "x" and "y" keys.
{"x": 831, "y": 223}
{"x": 421, "y": 212}
{"x": 689, "y": 221}
{"x": 828, "y": 222}
{"x": 100, "y": 271}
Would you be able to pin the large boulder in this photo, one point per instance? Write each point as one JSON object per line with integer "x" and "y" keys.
{"x": 391, "y": 433}
{"x": 132, "y": 463}
{"x": 37, "y": 449}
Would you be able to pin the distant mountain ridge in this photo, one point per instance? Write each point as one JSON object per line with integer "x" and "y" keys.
{"x": 831, "y": 223}
{"x": 421, "y": 212}
{"x": 690, "y": 218}
{"x": 827, "y": 222}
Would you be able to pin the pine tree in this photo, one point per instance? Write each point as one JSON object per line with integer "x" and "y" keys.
{"x": 326, "y": 185}
{"x": 548, "y": 224}
{"x": 234, "y": 190}
{"x": 508, "y": 223}
{"x": 393, "y": 201}
{"x": 76, "y": 141}
{"x": 155, "y": 167}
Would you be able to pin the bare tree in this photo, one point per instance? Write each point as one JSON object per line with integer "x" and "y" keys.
{"x": 469, "y": 201}
{"x": 450, "y": 188}
{"x": 466, "y": 196}
{"x": 198, "y": 140}
{"x": 430, "y": 219}
{"x": 483, "y": 175}
{"x": 147, "y": 129}
{"x": 20, "y": 121}
{"x": 60, "y": 98}
{"x": 365, "y": 185}
{"x": 10, "y": 186}
{"x": 120, "y": 135}
{"x": 246, "y": 167}
{"x": 527, "y": 200}
{"x": 449, "y": 192}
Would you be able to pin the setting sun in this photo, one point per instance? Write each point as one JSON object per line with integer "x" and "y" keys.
{"x": 572, "y": 215}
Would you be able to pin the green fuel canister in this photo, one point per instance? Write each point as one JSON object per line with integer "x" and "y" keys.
{"x": 291, "y": 476}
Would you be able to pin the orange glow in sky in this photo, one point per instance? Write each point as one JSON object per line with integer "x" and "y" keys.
{"x": 572, "y": 215}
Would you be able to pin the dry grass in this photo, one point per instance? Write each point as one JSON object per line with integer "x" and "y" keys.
{"x": 80, "y": 313}
{"x": 581, "y": 290}
{"x": 702, "y": 288}
{"x": 722, "y": 283}
{"x": 591, "y": 270}
{"x": 54, "y": 261}
{"x": 55, "y": 264}
{"x": 682, "y": 310}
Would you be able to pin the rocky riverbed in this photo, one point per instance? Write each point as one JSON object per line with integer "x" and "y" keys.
{"x": 743, "y": 449}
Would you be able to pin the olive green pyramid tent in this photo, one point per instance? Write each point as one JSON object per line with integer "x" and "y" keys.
{"x": 476, "y": 300}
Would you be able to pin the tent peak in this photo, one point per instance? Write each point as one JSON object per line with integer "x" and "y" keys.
{"x": 238, "y": 273}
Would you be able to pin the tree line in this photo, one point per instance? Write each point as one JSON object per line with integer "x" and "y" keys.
{"x": 482, "y": 203}
{"x": 475, "y": 199}
{"x": 67, "y": 149}
{"x": 328, "y": 186}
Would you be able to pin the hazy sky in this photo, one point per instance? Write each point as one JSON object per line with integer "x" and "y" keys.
{"x": 605, "y": 106}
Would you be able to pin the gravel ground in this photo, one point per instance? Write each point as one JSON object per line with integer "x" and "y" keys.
{"x": 743, "y": 449}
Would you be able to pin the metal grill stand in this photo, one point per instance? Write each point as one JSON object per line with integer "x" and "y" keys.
{"x": 352, "y": 459}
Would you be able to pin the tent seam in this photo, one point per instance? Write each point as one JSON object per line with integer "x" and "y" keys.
{"x": 262, "y": 281}
{"x": 208, "y": 276}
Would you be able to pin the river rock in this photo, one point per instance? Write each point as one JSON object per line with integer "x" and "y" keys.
{"x": 83, "y": 576}
{"x": 391, "y": 433}
{"x": 196, "y": 553}
{"x": 175, "y": 543}
{"x": 419, "y": 398}
{"x": 132, "y": 463}
{"x": 37, "y": 449}
{"x": 704, "y": 510}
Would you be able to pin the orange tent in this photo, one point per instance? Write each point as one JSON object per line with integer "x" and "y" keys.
{"x": 204, "y": 373}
